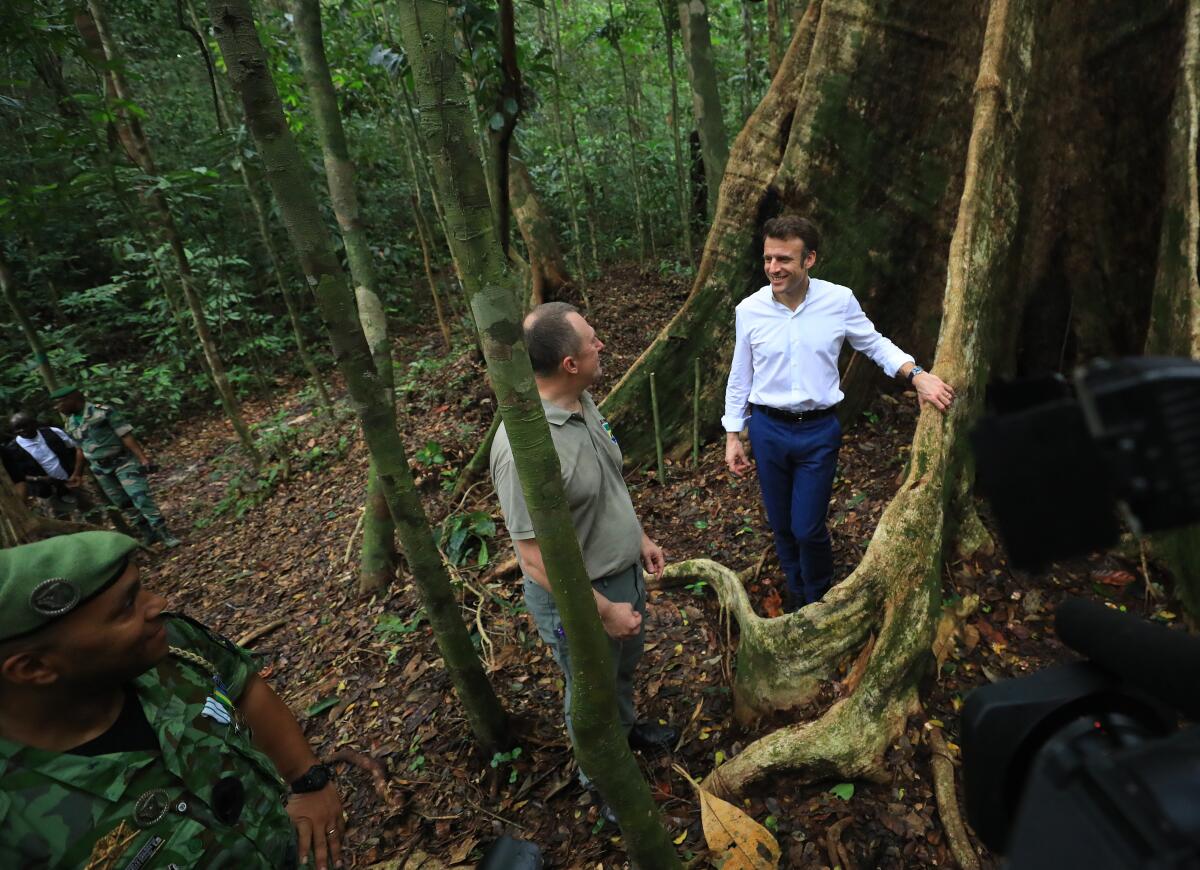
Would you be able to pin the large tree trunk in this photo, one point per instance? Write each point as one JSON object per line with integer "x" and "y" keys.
{"x": 378, "y": 563}
{"x": 547, "y": 266}
{"x": 601, "y": 746}
{"x": 706, "y": 101}
{"x": 98, "y": 37}
{"x": 291, "y": 183}
{"x": 895, "y": 590}
{"x": 1175, "y": 319}
{"x": 36, "y": 347}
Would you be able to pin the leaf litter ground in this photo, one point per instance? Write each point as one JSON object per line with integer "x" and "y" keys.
{"x": 364, "y": 677}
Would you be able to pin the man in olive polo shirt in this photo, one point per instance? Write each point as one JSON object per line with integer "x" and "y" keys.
{"x": 565, "y": 353}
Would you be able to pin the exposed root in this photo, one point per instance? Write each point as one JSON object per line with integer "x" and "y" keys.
{"x": 947, "y": 803}
{"x": 781, "y": 662}
{"x": 261, "y": 631}
{"x": 375, "y": 768}
{"x": 838, "y": 856}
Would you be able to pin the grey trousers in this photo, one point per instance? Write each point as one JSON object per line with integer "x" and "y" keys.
{"x": 625, "y": 586}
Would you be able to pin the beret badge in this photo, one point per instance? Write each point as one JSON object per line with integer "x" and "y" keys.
{"x": 54, "y": 597}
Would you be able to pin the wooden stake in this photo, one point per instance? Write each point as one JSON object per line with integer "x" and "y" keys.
{"x": 662, "y": 473}
{"x": 696, "y": 415}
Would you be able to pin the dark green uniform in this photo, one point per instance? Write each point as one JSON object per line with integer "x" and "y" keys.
{"x": 98, "y": 430}
{"x": 204, "y": 798}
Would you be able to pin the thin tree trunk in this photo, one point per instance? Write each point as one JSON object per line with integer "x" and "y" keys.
{"x": 706, "y": 101}
{"x": 589, "y": 200}
{"x": 1175, "y": 317}
{"x": 747, "y": 92}
{"x": 291, "y": 183}
{"x": 36, "y": 347}
{"x": 378, "y": 550}
{"x": 99, "y": 38}
{"x": 548, "y": 270}
{"x": 563, "y": 156}
{"x": 423, "y": 238}
{"x": 681, "y": 191}
{"x": 774, "y": 38}
{"x": 600, "y": 744}
{"x": 632, "y": 145}
{"x": 252, "y": 181}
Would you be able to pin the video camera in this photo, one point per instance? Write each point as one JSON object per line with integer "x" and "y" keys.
{"x": 1082, "y": 765}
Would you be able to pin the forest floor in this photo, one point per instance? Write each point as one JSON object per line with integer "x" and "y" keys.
{"x": 365, "y": 679}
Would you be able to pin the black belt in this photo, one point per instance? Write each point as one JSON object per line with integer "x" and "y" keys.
{"x": 795, "y": 416}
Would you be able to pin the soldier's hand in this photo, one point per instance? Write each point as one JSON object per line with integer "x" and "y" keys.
{"x": 320, "y": 824}
{"x": 621, "y": 621}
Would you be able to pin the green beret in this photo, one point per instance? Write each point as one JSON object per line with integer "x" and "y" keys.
{"x": 63, "y": 392}
{"x": 42, "y": 581}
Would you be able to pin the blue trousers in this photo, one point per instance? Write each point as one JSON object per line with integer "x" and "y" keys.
{"x": 796, "y": 463}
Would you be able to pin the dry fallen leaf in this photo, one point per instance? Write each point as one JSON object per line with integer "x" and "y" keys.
{"x": 736, "y": 840}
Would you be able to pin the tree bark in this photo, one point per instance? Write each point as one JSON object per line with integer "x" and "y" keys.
{"x": 681, "y": 187}
{"x": 601, "y": 746}
{"x": 774, "y": 38}
{"x": 898, "y": 582}
{"x": 378, "y": 563}
{"x": 252, "y": 180}
{"x": 706, "y": 101}
{"x": 98, "y": 37}
{"x": 1175, "y": 317}
{"x": 560, "y": 141}
{"x": 36, "y": 347}
{"x": 635, "y": 169}
{"x": 547, "y": 265}
{"x": 249, "y": 71}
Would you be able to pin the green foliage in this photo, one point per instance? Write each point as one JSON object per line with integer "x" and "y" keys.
{"x": 461, "y": 535}
{"x": 502, "y": 758}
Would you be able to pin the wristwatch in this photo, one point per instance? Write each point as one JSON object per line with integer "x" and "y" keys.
{"x": 315, "y": 779}
{"x": 913, "y": 372}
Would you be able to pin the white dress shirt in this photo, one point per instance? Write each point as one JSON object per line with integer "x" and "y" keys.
{"x": 789, "y": 359}
{"x": 40, "y": 450}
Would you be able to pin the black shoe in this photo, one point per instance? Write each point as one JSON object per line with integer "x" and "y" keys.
{"x": 604, "y": 810}
{"x": 650, "y": 735}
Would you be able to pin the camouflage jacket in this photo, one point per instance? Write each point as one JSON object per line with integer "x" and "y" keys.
{"x": 98, "y": 430}
{"x": 156, "y": 809}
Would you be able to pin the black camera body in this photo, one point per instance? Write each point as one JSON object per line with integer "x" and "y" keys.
{"x": 1082, "y": 765}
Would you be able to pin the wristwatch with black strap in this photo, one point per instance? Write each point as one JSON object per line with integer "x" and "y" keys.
{"x": 314, "y": 779}
{"x": 913, "y": 372}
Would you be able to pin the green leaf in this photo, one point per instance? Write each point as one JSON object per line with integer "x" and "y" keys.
{"x": 496, "y": 122}
{"x": 321, "y": 706}
{"x": 844, "y": 790}
{"x": 511, "y": 106}
{"x": 483, "y": 554}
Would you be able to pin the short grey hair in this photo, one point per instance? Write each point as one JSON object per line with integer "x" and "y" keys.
{"x": 550, "y": 336}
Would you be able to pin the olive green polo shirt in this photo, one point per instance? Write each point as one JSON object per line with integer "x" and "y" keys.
{"x": 610, "y": 535}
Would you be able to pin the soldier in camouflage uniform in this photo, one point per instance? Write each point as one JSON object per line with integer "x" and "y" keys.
{"x": 105, "y": 439}
{"x": 135, "y": 738}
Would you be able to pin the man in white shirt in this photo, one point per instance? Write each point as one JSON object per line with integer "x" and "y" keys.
{"x": 784, "y": 381}
{"x": 41, "y": 463}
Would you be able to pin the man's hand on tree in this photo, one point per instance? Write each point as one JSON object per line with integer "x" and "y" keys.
{"x": 620, "y": 620}
{"x": 735, "y": 454}
{"x": 653, "y": 559}
{"x": 933, "y": 390}
{"x": 74, "y": 481}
